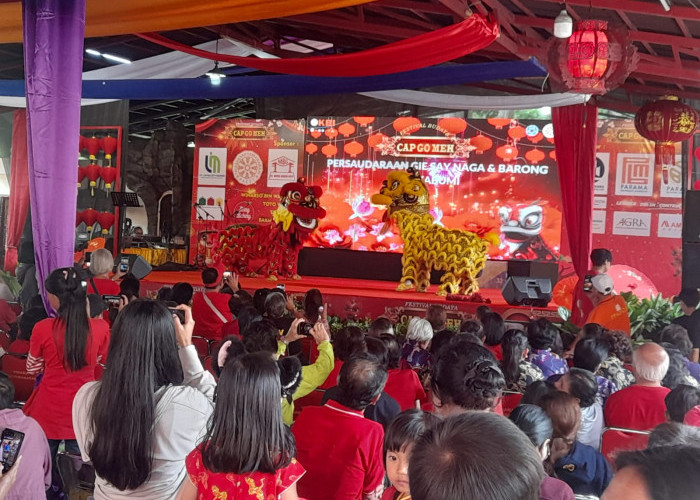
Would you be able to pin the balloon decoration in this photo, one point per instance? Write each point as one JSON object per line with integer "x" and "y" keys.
{"x": 106, "y": 221}
{"x": 311, "y": 148}
{"x": 353, "y": 148}
{"x": 347, "y": 129}
{"x": 452, "y": 126}
{"x": 406, "y": 125}
{"x": 481, "y": 143}
{"x": 329, "y": 150}
{"x": 89, "y": 217}
{"x": 109, "y": 175}
{"x": 363, "y": 120}
{"x": 666, "y": 121}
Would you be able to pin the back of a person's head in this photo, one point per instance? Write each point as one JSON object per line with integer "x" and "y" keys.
{"x": 407, "y": 428}
{"x": 599, "y": 256}
{"x": 494, "y": 328}
{"x": 674, "y": 434}
{"x": 360, "y": 381}
{"x": 7, "y": 392}
{"x": 467, "y": 377}
{"x": 590, "y": 352}
{"x": 182, "y": 293}
{"x": 378, "y": 349}
{"x": 534, "y": 422}
{"x": 583, "y": 386}
{"x": 565, "y": 413}
{"x": 513, "y": 345}
{"x": 238, "y": 301}
{"x": 650, "y": 362}
{"x": 97, "y": 305}
{"x": 210, "y": 276}
{"x": 101, "y": 261}
{"x": 260, "y": 336}
{"x": 620, "y": 345}
{"x": 246, "y": 433}
{"x": 475, "y": 455}
{"x": 259, "y": 298}
{"x": 165, "y": 294}
{"x": 393, "y": 350}
{"x": 419, "y": 330}
{"x": 541, "y": 334}
{"x": 677, "y": 372}
{"x": 680, "y": 400}
{"x": 436, "y": 316}
{"x": 313, "y": 300}
{"x": 473, "y": 327}
{"x": 275, "y": 305}
{"x": 380, "y": 326}
{"x": 690, "y": 297}
{"x": 670, "y": 472}
{"x": 142, "y": 358}
{"x": 28, "y": 320}
{"x": 481, "y": 310}
{"x": 229, "y": 348}
{"x": 441, "y": 339}
{"x": 593, "y": 330}
{"x": 348, "y": 341}
{"x": 130, "y": 286}
{"x": 536, "y": 391}
{"x": 678, "y": 336}
{"x": 246, "y": 317}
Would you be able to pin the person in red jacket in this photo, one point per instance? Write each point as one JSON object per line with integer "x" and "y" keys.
{"x": 210, "y": 308}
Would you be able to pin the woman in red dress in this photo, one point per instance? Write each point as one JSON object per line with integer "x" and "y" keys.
{"x": 66, "y": 350}
{"x": 247, "y": 452}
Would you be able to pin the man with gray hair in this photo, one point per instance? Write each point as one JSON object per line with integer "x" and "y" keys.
{"x": 641, "y": 406}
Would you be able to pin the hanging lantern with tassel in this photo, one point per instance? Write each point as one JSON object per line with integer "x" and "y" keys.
{"x": 106, "y": 221}
{"x": 89, "y": 217}
{"x": 109, "y": 175}
{"x": 93, "y": 146}
{"x": 92, "y": 172}
{"x": 109, "y": 146}
{"x": 81, "y": 176}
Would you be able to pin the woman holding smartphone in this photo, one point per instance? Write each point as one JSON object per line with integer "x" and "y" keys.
{"x": 141, "y": 420}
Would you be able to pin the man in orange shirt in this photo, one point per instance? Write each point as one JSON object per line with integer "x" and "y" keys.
{"x": 582, "y": 305}
{"x": 609, "y": 310}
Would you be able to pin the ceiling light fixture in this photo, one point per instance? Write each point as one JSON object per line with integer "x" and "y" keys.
{"x": 110, "y": 57}
{"x": 666, "y": 4}
{"x": 215, "y": 75}
{"x": 563, "y": 24}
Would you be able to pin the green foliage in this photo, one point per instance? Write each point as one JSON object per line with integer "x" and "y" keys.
{"x": 337, "y": 323}
{"x": 648, "y": 316}
{"x": 11, "y": 282}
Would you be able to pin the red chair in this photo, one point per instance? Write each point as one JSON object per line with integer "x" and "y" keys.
{"x": 510, "y": 401}
{"x": 314, "y": 398}
{"x": 202, "y": 346}
{"x": 16, "y": 368}
{"x": 616, "y": 439}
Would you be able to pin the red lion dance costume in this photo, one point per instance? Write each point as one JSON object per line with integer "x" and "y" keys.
{"x": 272, "y": 250}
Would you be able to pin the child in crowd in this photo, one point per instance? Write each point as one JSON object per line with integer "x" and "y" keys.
{"x": 401, "y": 436}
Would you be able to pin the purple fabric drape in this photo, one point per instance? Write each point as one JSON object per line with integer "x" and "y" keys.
{"x": 53, "y": 64}
{"x": 19, "y": 189}
{"x": 575, "y": 138}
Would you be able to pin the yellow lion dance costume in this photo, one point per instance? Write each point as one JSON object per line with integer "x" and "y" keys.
{"x": 460, "y": 254}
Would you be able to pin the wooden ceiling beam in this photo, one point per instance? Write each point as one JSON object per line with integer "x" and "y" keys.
{"x": 637, "y": 7}
{"x": 413, "y": 6}
{"x": 458, "y": 7}
{"x": 656, "y": 90}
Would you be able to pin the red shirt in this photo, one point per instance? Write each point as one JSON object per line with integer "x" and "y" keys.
{"x": 207, "y": 323}
{"x": 341, "y": 451}
{"x": 405, "y": 387}
{"x": 104, "y": 287}
{"x": 496, "y": 350}
{"x": 231, "y": 328}
{"x": 332, "y": 379}
{"x": 582, "y": 305}
{"x": 51, "y": 403}
{"x": 636, "y": 407}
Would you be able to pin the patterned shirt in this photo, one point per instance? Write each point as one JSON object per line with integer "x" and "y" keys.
{"x": 529, "y": 373}
{"x": 613, "y": 370}
{"x": 605, "y": 389}
{"x": 416, "y": 356}
{"x": 548, "y": 362}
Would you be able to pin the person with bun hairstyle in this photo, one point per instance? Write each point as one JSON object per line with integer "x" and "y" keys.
{"x": 247, "y": 451}
{"x": 65, "y": 349}
{"x": 517, "y": 370}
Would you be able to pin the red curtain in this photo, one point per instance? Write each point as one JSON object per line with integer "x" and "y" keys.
{"x": 575, "y": 138}
{"x": 427, "y": 49}
{"x": 19, "y": 188}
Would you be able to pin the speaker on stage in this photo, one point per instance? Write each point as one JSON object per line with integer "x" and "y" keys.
{"x": 137, "y": 265}
{"x": 691, "y": 217}
{"x": 526, "y": 291}
{"x": 691, "y": 265}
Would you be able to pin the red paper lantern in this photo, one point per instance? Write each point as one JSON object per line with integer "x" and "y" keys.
{"x": 666, "y": 121}
{"x": 311, "y": 148}
{"x": 109, "y": 175}
{"x": 347, "y": 129}
{"x": 81, "y": 175}
{"x": 315, "y": 134}
{"x": 92, "y": 172}
{"x": 535, "y": 139}
{"x": 516, "y": 133}
{"x": 93, "y": 146}
{"x": 507, "y": 152}
{"x": 81, "y": 144}
{"x": 363, "y": 120}
{"x": 89, "y": 217}
{"x": 78, "y": 218}
{"x": 331, "y": 133}
{"x": 375, "y": 140}
{"x": 534, "y": 156}
{"x": 329, "y": 150}
{"x": 353, "y": 148}
{"x": 481, "y": 143}
{"x": 499, "y": 123}
{"x": 106, "y": 221}
{"x": 109, "y": 145}
{"x": 406, "y": 125}
{"x": 553, "y": 155}
{"x": 452, "y": 126}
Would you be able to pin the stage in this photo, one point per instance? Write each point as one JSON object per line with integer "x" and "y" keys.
{"x": 359, "y": 298}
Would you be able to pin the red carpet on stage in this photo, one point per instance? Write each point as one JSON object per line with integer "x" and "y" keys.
{"x": 357, "y": 298}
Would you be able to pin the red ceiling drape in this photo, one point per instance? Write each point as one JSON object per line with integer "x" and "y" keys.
{"x": 575, "y": 139}
{"x": 427, "y": 49}
{"x": 19, "y": 188}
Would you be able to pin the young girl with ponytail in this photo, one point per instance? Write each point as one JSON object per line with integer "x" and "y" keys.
{"x": 65, "y": 349}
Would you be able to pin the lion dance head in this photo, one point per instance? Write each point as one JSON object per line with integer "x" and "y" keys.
{"x": 299, "y": 209}
{"x": 403, "y": 190}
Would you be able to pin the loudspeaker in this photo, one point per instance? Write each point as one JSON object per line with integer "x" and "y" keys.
{"x": 524, "y": 291}
{"x": 137, "y": 265}
{"x": 534, "y": 269}
{"x": 691, "y": 265}
{"x": 691, "y": 218}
